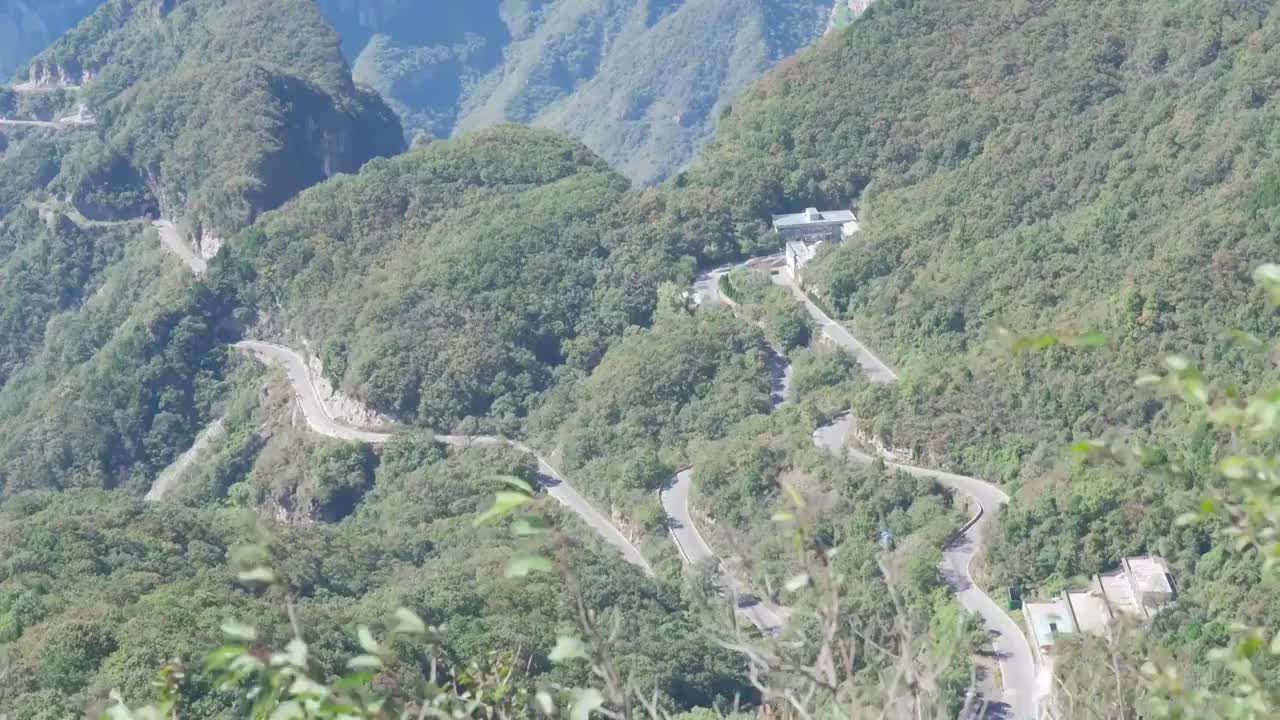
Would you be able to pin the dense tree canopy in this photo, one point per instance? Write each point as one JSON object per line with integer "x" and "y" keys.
{"x": 1066, "y": 167}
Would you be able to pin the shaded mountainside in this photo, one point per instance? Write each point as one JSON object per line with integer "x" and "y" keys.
{"x": 640, "y": 81}
{"x": 28, "y": 26}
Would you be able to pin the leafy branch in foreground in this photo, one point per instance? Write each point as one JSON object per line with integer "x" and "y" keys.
{"x": 833, "y": 652}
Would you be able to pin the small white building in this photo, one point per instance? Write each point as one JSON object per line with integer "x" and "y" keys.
{"x": 805, "y": 232}
{"x": 1140, "y": 587}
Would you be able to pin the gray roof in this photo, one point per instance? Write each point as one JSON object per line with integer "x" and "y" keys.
{"x": 811, "y": 216}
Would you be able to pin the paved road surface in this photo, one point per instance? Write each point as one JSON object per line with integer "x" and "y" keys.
{"x": 320, "y": 421}
{"x": 675, "y": 496}
{"x": 173, "y": 241}
{"x": 313, "y": 409}
{"x": 873, "y": 366}
{"x": 695, "y": 550}
{"x": 1013, "y": 652}
{"x": 1017, "y": 667}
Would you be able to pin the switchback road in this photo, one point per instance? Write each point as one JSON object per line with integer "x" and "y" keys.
{"x": 1017, "y": 667}
{"x": 319, "y": 420}
{"x": 1013, "y": 652}
{"x": 675, "y": 496}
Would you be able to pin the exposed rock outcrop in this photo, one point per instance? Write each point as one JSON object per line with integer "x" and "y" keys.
{"x": 885, "y": 450}
{"x": 339, "y": 405}
{"x": 47, "y": 75}
{"x": 206, "y": 242}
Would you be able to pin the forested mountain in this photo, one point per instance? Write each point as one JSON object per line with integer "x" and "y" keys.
{"x": 581, "y": 67}
{"x": 1060, "y": 167}
{"x": 209, "y": 114}
{"x": 586, "y": 68}
{"x": 1098, "y": 177}
{"x": 290, "y": 114}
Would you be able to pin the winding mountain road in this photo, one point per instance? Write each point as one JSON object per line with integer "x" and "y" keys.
{"x": 319, "y": 420}
{"x": 38, "y": 123}
{"x": 1017, "y": 667}
{"x": 1012, "y": 650}
{"x": 675, "y": 496}
{"x": 872, "y": 366}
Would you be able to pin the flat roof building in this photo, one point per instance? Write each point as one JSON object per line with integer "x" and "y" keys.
{"x": 1046, "y": 621}
{"x": 1140, "y": 588}
{"x": 805, "y": 232}
{"x": 812, "y": 223}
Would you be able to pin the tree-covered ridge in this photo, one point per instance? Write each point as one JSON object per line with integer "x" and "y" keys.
{"x": 127, "y": 41}
{"x": 1028, "y": 167}
{"x": 48, "y": 268}
{"x": 583, "y": 67}
{"x": 455, "y": 281}
{"x": 99, "y": 591}
{"x": 221, "y": 109}
{"x": 586, "y": 68}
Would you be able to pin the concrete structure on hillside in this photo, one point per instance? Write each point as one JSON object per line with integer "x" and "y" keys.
{"x": 813, "y": 225}
{"x": 1139, "y": 588}
{"x": 805, "y": 232}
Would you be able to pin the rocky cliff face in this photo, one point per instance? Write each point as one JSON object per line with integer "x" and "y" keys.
{"x": 339, "y": 405}
{"x": 50, "y": 75}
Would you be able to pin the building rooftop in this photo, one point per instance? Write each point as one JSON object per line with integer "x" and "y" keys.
{"x": 812, "y": 216}
{"x": 1048, "y": 620}
{"x": 1090, "y": 610}
{"x": 1150, "y": 574}
{"x": 1116, "y": 588}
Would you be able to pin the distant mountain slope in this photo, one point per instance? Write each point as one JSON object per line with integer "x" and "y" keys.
{"x": 28, "y": 26}
{"x": 640, "y": 81}
{"x": 222, "y": 108}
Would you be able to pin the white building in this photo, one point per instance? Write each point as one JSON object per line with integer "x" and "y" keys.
{"x": 805, "y": 232}
{"x": 1140, "y": 588}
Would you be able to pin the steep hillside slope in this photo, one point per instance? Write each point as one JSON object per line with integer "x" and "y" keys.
{"x": 455, "y": 281}
{"x": 209, "y": 113}
{"x": 640, "y": 81}
{"x": 272, "y": 73}
{"x": 1041, "y": 167}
